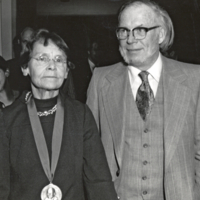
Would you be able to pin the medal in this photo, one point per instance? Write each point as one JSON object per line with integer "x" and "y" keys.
{"x": 51, "y": 191}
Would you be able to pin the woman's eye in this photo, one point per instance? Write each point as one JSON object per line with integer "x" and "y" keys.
{"x": 58, "y": 60}
{"x": 42, "y": 58}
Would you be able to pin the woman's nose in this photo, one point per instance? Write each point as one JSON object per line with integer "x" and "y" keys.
{"x": 52, "y": 64}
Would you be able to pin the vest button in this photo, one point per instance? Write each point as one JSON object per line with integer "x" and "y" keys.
{"x": 145, "y": 162}
{"x": 145, "y": 145}
{"x": 144, "y": 192}
{"x": 146, "y": 130}
{"x": 144, "y": 178}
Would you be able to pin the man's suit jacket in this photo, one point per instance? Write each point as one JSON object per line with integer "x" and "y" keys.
{"x": 82, "y": 171}
{"x": 106, "y": 97}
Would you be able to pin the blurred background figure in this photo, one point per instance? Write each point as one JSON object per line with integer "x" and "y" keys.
{"x": 7, "y": 95}
{"x": 68, "y": 85}
{"x": 16, "y": 79}
{"x": 93, "y": 56}
{"x": 26, "y": 36}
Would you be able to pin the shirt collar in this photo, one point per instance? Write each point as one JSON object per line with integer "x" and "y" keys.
{"x": 154, "y": 70}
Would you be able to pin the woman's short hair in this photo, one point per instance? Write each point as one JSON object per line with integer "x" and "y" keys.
{"x": 44, "y": 36}
{"x": 163, "y": 16}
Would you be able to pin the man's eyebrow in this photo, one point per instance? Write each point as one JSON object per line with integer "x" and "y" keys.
{"x": 139, "y": 26}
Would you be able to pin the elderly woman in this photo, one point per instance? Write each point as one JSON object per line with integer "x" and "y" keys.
{"x": 49, "y": 142}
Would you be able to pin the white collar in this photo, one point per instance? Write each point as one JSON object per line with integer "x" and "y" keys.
{"x": 154, "y": 77}
{"x": 154, "y": 70}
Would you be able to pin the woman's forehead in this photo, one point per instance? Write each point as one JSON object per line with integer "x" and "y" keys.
{"x": 48, "y": 48}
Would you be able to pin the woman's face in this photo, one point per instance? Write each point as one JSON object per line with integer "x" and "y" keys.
{"x": 46, "y": 75}
{"x": 2, "y": 79}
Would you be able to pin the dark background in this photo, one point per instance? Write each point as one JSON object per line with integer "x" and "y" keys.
{"x": 77, "y": 30}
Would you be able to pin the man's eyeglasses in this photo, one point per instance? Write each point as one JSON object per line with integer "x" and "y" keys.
{"x": 139, "y": 33}
{"x": 45, "y": 60}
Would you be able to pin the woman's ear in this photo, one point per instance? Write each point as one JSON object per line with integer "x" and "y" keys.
{"x": 7, "y": 72}
{"x": 70, "y": 65}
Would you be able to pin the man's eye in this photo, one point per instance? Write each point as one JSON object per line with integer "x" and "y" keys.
{"x": 123, "y": 30}
{"x": 140, "y": 29}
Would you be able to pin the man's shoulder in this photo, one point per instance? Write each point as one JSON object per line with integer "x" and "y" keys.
{"x": 101, "y": 73}
{"x": 188, "y": 68}
{"x": 104, "y": 70}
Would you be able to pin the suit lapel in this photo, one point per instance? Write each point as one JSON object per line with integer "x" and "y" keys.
{"x": 114, "y": 102}
{"x": 176, "y": 104}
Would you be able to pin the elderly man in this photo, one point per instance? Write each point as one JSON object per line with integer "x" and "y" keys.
{"x": 16, "y": 79}
{"x": 147, "y": 109}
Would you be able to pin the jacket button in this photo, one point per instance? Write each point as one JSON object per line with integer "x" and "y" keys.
{"x": 144, "y": 192}
{"x": 144, "y": 178}
{"x": 146, "y": 130}
{"x": 145, "y": 145}
{"x": 145, "y": 162}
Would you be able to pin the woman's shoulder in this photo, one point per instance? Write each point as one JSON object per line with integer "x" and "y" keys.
{"x": 73, "y": 103}
{"x": 76, "y": 107}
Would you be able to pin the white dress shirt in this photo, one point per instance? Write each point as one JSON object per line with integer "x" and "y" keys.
{"x": 154, "y": 76}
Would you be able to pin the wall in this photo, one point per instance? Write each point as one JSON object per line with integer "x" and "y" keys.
{"x": 78, "y": 7}
{"x": 7, "y": 27}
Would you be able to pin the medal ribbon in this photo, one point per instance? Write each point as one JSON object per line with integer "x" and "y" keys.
{"x": 40, "y": 140}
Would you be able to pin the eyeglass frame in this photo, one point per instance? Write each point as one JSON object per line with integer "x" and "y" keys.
{"x": 48, "y": 60}
{"x": 133, "y": 33}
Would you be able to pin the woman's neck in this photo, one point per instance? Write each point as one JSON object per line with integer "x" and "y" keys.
{"x": 44, "y": 94}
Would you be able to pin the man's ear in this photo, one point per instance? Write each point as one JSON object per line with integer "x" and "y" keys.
{"x": 162, "y": 35}
{"x": 7, "y": 72}
{"x": 25, "y": 70}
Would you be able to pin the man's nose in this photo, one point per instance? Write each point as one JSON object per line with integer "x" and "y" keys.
{"x": 131, "y": 38}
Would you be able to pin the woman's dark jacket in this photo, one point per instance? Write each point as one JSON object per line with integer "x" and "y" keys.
{"x": 82, "y": 171}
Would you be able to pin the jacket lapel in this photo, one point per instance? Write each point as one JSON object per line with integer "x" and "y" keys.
{"x": 176, "y": 104}
{"x": 114, "y": 102}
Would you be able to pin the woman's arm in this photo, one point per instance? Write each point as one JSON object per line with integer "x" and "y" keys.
{"x": 4, "y": 161}
{"x": 97, "y": 178}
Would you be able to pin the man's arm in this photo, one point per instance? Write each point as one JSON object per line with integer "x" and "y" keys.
{"x": 92, "y": 97}
{"x": 197, "y": 150}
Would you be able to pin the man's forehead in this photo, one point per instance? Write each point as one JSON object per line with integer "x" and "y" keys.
{"x": 140, "y": 13}
{"x": 27, "y": 34}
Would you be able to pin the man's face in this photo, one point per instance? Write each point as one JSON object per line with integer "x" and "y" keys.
{"x": 26, "y": 37}
{"x": 140, "y": 53}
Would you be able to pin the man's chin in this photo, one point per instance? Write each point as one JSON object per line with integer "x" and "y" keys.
{"x": 129, "y": 61}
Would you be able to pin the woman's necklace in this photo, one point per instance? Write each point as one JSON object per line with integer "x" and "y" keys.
{"x": 44, "y": 113}
{"x": 47, "y": 112}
